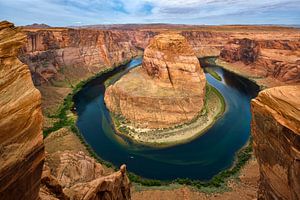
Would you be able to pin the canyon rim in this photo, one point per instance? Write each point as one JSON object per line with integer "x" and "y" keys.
{"x": 146, "y": 110}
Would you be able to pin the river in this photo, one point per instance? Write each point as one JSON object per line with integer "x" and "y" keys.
{"x": 200, "y": 159}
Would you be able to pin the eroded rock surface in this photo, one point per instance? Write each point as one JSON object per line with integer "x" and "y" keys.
{"x": 167, "y": 90}
{"x": 79, "y": 177}
{"x": 244, "y": 50}
{"x": 276, "y": 60}
{"x": 276, "y": 141}
{"x": 69, "y": 173}
{"x": 64, "y": 56}
{"x": 21, "y": 140}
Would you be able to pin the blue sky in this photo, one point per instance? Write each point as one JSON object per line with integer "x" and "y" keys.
{"x": 86, "y": 12}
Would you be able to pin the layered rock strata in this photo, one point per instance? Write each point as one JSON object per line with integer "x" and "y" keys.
{"x": 276, "y": 141}
{"x": 167, "y": 90}
{"x": 64, "y": 55}
{"x": 276, "y": 60}
{"x": 21, "y": 139}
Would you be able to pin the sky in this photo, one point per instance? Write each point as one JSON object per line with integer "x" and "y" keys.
{"x": 210, "y": 12}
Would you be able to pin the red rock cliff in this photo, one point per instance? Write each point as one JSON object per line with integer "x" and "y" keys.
{"x": 273, "y": 59}
{"x": 21, "y": 140}
{"x": 276, "y": 141}
{"x": 69, "y": 55}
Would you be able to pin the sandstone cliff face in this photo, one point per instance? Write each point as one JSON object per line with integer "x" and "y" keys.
{"x": 59, "y": 54}
{"x": 274, "y": 59}
{"x": 168, "y": 90}
{"x": 244, "y": 50}
{"x": 206, "y": 43}
{"x": 276, "y": 141}
{"x": 21, "y": 140}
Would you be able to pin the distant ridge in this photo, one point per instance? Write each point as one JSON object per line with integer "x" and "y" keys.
{"x": 36, "y": 25}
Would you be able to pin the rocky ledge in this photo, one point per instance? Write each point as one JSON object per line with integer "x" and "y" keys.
{"x": 276, "y": 141}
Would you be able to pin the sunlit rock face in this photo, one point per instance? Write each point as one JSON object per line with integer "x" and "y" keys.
{"x": 21, "y": 140}
{"x": 244, "y": 50}
{"x": 277, "y": 60}
{"x": 276, "y": 140}
{"x": 78, "y": 176}
{"x": 66, "y": 55}
{"x": 167, "y": 90}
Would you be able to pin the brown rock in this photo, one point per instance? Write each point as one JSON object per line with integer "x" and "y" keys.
{"x": 244, "y": 50}
{"x": 276, "y": 135}
{"x": 75, "y": 168}
{"x": 70, "y": 55}
{"x": 168, "y": 90}
{"x": 273, "y": 59}
{"x": 50, "y": 187}
{"x": 78, "y": 177}
{"x": 114, "y": 186}
{"x": 21, "y": 139}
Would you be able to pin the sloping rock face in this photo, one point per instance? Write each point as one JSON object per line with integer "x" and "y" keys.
{"x": 276, "y": 140}
{"x": 79, "y": 177}
{"x": 206, "y": 43}
{"x": 244, "y": 50}
{"x": 275, "y": 59}
{"x": 21, "y": 140}
{"x": 69, "y": 173}
{"x": 56, "y": 54}
{"x": 168, "y": 90}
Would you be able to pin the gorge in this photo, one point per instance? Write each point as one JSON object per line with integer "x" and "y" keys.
{"x": 60, "y": 58}
{"x": 154, "y": 102}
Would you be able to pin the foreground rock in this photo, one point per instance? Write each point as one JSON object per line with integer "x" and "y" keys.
{"x": 276, "y": 141}
{"x": 21, "y": 140}
{"x": 168, "y": 90}
{"x": 78, "y": 176}
{"x": 69, "y": 173}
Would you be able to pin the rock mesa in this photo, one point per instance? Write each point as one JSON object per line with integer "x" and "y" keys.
{"x": 167, "y": 90}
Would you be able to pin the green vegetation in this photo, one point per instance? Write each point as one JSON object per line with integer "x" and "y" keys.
{"x": 64, "y": 114}
{"x": 218, "y": 183}
{"x": 213, "y": 73}
{"x": 125, "y": 127}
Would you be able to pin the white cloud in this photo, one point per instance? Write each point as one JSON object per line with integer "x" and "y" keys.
{"x": 66, "y": 12}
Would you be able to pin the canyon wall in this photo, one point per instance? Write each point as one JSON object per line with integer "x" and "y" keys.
{"x": 276, "y": 141}
{"x": 68, "y": 173}
{"x": 63, "y": 55}
{"x": 21, "y": 139}
{"x": 206, "y": 43}
{"x": 276, "y": 59}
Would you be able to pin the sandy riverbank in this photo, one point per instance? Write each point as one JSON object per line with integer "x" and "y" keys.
{"x": 214, "y": 108}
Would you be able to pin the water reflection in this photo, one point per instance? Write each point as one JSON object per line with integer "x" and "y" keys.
{"x": 201, "y": 158}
